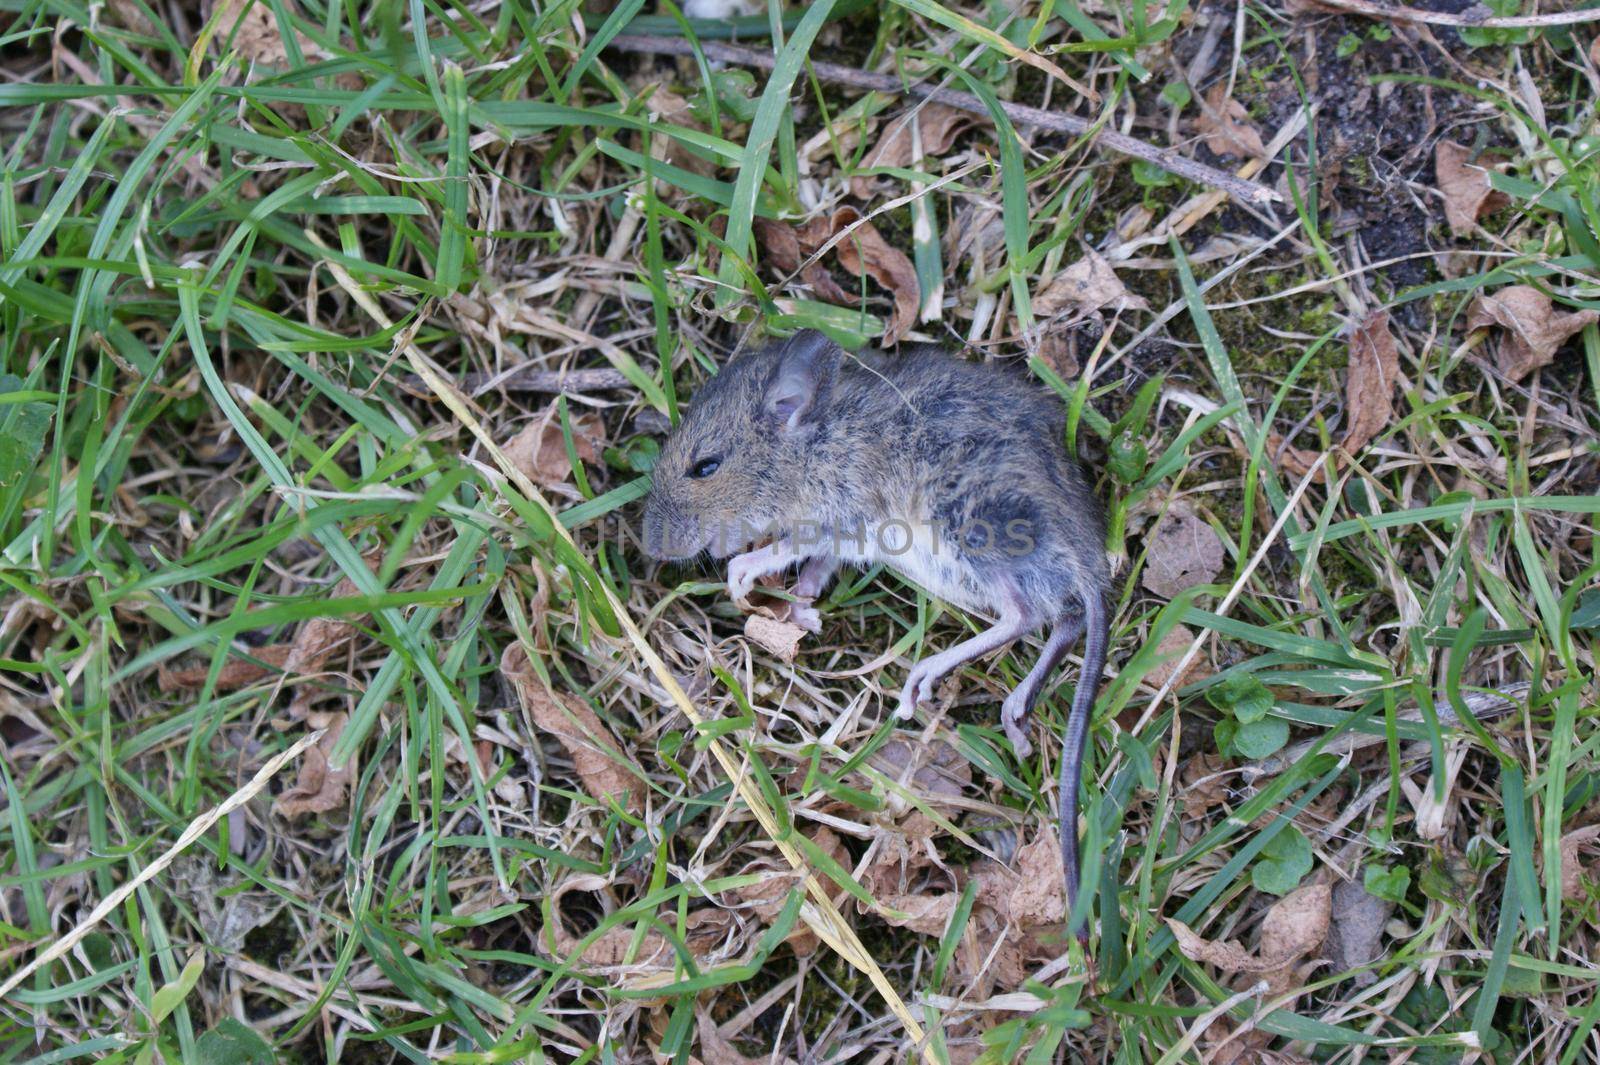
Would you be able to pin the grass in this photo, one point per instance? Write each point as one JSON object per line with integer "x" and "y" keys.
{"x": 252, "y": 513}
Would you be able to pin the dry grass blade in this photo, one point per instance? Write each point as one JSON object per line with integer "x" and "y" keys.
{"x": 822, "y": 915}
{"x": 1471, "y": 18}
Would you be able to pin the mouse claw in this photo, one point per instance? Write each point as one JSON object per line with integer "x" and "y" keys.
{"x": 1012, "y": 718}
{"x": 918, "y": 689}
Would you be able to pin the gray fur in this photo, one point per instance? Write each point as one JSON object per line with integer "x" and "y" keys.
{"x": 817, "y": 445}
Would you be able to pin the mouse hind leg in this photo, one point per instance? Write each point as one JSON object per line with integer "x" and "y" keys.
{"x": 1014, "y": 711}
{"x": 1014, "y": 622}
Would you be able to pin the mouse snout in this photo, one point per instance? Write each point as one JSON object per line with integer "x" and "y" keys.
{"x": 669, "y": 533}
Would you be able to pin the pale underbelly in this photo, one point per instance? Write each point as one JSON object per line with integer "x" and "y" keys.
{"x": 919, "y": 555}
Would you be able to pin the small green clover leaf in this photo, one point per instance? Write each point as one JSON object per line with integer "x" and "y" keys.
{"x": 1387, "y": 881}
{"x": 1258, "y": 739}
{"x": 1283, "y": 862}
{"x": 1242, "y": 695}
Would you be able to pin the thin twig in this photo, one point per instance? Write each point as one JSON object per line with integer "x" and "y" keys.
{"x": 1246, "y": 191}
{"x": 527, "y": 379}
{"x": 1477, "y": 16}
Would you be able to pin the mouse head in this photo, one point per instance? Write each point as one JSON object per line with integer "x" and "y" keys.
{"x": 733, "y": 469}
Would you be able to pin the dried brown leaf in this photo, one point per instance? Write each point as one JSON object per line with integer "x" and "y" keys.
{"x": 314, "y": 642}
{"x": 1087, "y": 285}
{"x": 766, "y": 897}
{"x": 320, "y": 787}
{"x": 937, "y": 126}
{"x": 130, "y": 16}
{"x": 901, "y": 859}
{"x": 508, "y": 789}
{"x": 1182, "y": 552}
{"x": 1032, "y": 895}
{"x": 1203, "y": 784}
{"x": 1057, "y": 352}
{"x": 654, "y": 956}
{"x": 780, "y": 244}
{"x": 1228, "y": 955}
{"x": 1040, "y": 896}
{"x": 673, "y": 109}
{"x": 1464, "y": 186}
{"x": 600, "y": 765}
{"x": 781, "y": 638}
{"x": 540, "y": 449}
{"x": 1226, "y": 127}
{"x": 940, "y": 771}
{"x": 1355, "y": 931}
{"x": 927, "y": 913}
{"x": 1534, "y": 329}
{"x": 1295, "y": 926}
{"x": 317, "y": 639}
{"x": 1369, "y": 381}
{"x": 1573, "y": 872}
{"x": 1295, "y": 460}
{"x": 996, "y": 954}
{"x": 865, "y": 251}
{"x": 611, "y": 950}
{"x": 235, "y": 673}
{"x": 1373, "y": 368}
{"x": 1173, "y": 646}
{"x": 258, "y": 38}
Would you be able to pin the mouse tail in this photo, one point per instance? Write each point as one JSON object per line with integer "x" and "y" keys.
{"x": 1096, "y": 634}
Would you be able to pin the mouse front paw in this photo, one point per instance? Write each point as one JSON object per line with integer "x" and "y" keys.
{"x": 742, "y": 574}
{"x": 806, "y": 616}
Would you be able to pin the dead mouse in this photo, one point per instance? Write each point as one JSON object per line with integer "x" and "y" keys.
{"x": 951, "y": 473}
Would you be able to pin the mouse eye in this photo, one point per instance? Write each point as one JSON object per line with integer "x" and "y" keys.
{"x": 705, "y": 467}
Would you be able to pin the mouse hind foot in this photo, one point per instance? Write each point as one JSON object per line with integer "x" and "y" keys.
{"x": 1019, "y": 704}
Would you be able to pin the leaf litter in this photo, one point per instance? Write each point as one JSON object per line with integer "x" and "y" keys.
{"x": 1464, "y": 184}
{"x": 938, "y": 126}
{"x": 596, "y": 756}
{"x": 861, "y": 251}
{"x": 1292, "y": 931}
{"x": 1370, "y": 377}
{"x": 1087, "y": 286}
{"x": 540, "y": 448}
{"x": 1225, "y": 125}
{"x": 1531, "y": 328}
{"x": 1183, "y": 551}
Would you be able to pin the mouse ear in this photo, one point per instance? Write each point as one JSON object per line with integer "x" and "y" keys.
{"x": 800, "y": 382}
